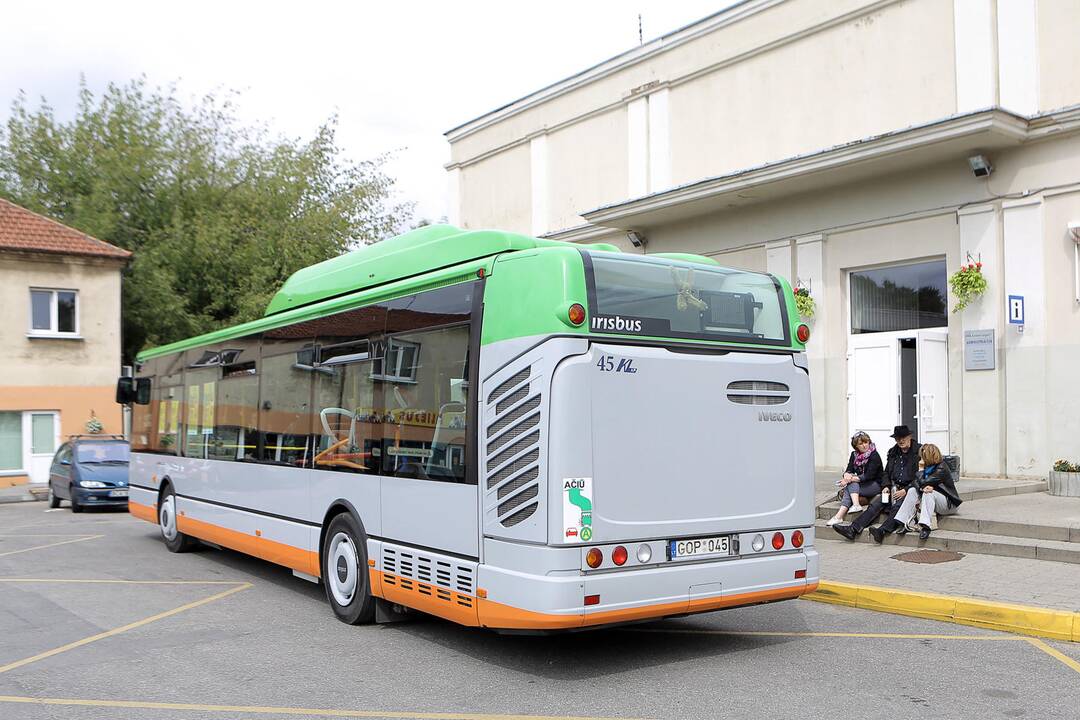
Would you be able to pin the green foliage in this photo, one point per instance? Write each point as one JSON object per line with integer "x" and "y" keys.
{"x": 967, "y": 283}
{"x": 804, "y": 303}
{"x": 1066, "y": 466}
{"x": 217, "y": 214}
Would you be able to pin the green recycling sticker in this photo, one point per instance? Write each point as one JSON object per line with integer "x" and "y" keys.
{"x": 577, "y": 509}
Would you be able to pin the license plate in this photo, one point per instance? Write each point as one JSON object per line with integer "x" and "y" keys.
{"x": 700, "y": 547}
{"x": 118, "y": 493}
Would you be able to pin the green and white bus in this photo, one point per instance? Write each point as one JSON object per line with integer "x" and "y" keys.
{"x": 503, "y": 431}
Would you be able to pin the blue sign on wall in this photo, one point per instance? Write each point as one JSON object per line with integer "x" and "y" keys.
{"x": 1016, "y": 309}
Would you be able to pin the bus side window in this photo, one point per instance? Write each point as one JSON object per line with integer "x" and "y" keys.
{"x": 285, "y": 418}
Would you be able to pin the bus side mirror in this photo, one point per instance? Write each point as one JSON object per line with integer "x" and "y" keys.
{"x": 142, "y": 391}
{"x": 125, "y": 390}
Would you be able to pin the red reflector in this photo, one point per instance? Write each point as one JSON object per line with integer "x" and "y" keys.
{"x": 577, "y": 314}
{"x": 778, "y": 541}
{"x": 800, "y": 574}
{"x": 797, "y": 538}
{"x": 594, "y": 557}
{"x": 480, "y": 273}
{"x": 802, "y": 333}
{"x": 618, "y": 555}
{"x": 592, "y": 599}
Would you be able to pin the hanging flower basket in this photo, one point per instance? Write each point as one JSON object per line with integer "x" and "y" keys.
{"x": 804, "y": 303}
{"x": 967, "y": 283}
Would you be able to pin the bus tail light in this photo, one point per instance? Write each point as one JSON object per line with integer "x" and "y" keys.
{"x": 592, "y": 599}
{"x": 576, "y": 314}
{"x": 797, "y": 538}
{"x": 778, "y": 541}
{"x": 644, "y": 553}
{"x": 803, "y": 333}
{"x": 800, "y": 574}
{"x": 618, "y": 555}
{"x": 594, "y": 557}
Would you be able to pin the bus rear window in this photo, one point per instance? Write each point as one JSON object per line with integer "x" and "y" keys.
{"x": 667, "y": 298}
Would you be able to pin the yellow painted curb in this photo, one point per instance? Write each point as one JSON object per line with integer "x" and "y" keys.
{"x": 1040, "y": 622}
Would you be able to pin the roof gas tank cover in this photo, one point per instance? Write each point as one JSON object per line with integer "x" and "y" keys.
{"x": 416, "y": 252}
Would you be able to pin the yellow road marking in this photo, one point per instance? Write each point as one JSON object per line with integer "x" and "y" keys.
{"x": 125, "y": 628}
{"x": 778, "y": 633}
{"x": 266, "y": 710}
{"x": 1054, "y": 653}
{"x": 42, "y": 547}
{"x": 123, "y": 582}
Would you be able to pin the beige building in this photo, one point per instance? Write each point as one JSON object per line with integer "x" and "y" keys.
{"x": 59, "y": 341}
{"x": 845, "y": 145}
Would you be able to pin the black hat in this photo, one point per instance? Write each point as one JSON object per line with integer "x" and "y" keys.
{"x": 900, "y": 431}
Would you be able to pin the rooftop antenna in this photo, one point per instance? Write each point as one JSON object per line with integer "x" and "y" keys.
{"x": 640, "y": 37}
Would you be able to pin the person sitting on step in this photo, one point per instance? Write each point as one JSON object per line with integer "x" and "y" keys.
{"x": 901, "y": 464}
{"x": 936, "y": 493}
{"x": 862, "y": 477}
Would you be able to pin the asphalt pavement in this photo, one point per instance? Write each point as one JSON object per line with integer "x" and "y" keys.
{"x": 98, "y": 619}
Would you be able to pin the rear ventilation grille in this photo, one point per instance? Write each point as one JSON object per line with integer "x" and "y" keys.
{"x": 758, "y": 392}
{"x": 507, "y": 385}
{"x": 441, "y": 578}
{"x": 513, "y": 448}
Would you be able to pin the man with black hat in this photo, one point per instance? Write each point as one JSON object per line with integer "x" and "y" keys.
{"x": 901, "y": 466}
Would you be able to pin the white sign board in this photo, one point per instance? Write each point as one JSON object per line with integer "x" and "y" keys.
{"x": 979, "y": 350}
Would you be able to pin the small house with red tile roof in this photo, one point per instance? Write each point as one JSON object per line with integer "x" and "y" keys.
{"x": 59, "y": 339}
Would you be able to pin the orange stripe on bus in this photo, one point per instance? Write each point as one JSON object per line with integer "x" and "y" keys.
{"x": 432, "y": 599}
{"x": 143, "y": 512}
{"x": 304, "y": 561}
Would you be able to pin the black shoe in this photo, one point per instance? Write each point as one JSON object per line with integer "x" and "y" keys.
{"x": 847, "y": 531}
{"x": 924, "y": 531}
{"x": 878, "y": 533}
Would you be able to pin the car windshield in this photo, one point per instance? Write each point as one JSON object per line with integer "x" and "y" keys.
{"x": 102, "y": 453}
{"x": 669, "y": 298}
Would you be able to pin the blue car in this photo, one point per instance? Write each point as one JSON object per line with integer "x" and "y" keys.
{"x": 90, "y": 471}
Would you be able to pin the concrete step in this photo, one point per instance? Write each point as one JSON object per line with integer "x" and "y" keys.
{"x": 967, "y": 542}
{"x": 1033, "y": 530}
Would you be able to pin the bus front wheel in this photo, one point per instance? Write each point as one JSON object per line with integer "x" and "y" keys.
{"x": 345, "y": 573}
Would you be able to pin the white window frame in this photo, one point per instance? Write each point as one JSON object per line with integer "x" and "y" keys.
{"x": 54, "y": 315}
{"x": 398, "y": 373}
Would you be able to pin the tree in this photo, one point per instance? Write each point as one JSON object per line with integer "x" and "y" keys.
{"x": 217, "y": 214}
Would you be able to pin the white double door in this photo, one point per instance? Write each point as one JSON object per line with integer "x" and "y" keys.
{"x": 899, "y": 378}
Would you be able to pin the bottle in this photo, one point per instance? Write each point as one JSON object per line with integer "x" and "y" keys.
{"x": 886, "y": 496}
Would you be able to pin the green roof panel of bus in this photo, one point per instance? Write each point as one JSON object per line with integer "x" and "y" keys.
{"x": 416, "y": 252}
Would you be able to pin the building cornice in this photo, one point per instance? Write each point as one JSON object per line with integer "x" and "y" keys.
{"x": 996, "y": 124}
{"x": 649, "y": 50}
{"x": 65, "y": 258}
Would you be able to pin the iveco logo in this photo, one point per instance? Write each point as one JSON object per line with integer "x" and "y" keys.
{"x": 774, "y": 417}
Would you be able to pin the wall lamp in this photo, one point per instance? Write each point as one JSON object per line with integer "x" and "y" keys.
{"x": 636, "y": 239}
{"x": 980, "y": 166}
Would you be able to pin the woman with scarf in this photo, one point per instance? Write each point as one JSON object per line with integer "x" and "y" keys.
{"x": 862, "y": 477}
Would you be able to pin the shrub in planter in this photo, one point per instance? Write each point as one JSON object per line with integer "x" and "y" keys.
{"x": 967, "y": 283}
{"x": 1065, "y": 479}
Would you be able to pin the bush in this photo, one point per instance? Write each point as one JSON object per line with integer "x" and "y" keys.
{"x": 1066, "y": 466}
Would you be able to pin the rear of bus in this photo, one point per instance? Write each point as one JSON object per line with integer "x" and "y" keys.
{"x": 656, "y": 459}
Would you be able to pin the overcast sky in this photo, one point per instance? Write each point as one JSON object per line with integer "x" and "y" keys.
{"x": 398, "y": 74}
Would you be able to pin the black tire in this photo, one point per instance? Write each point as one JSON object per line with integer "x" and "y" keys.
{"x": 175, "y": 540}
{"x": 345, "y": 539}
{"x": 54, "y": 502}
{"x": 75, "y": 506}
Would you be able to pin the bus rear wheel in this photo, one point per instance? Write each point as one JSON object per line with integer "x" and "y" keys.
{"x": 345, "y": 571}
{"x": 175, "y": 540}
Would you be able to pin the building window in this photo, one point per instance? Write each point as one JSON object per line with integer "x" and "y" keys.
{"x": 11, "y": 445}
{"x": 54, "y": 312}
{"x": 398, "y": 362}
{"x": 902, "y": 297}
